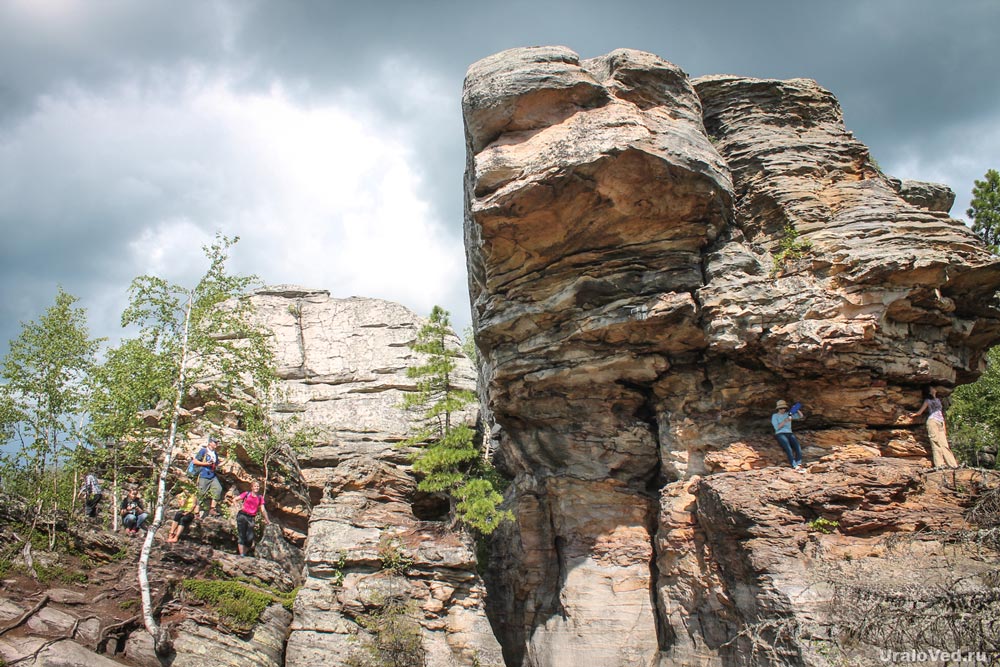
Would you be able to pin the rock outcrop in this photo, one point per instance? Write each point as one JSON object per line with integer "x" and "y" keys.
{"x": 342, "y": 364}
{"x": 653, "y": 262}
{"x": 369, "y": 538}
{"x": 932, "y": 196}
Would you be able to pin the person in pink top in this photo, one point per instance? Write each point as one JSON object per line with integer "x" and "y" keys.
{"x": 249, "y": 503}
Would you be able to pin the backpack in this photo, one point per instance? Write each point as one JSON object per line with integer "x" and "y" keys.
{"x": 193, "y": 470}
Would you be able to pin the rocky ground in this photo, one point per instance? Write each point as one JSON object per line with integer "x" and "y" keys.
{"x": 80, "y": 604}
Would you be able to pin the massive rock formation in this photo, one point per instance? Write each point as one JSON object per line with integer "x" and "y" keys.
{"x": 343, "y": 367}
{"x": 369, "y": 538}
{"x": 653, "y": 261}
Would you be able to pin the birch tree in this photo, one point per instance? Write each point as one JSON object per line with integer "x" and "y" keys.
{"x": 201, "y": 335}
{"x": 42, "y": 397}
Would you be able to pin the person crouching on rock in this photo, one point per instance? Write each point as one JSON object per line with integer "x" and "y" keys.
{"x": 940, "y": 450}
{"x": 781, "y": 420}
{"x": 187, "y": 509}
{"x": 252, "y": 502}
{"x": 133, "y": 513}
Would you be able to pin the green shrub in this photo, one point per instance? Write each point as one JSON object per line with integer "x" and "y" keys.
{"x": 790, "y": 248}
{"x": 237, "y": 603}
{"x": 393, "y": 637}
{"x": 822, "y": 525}
{"x": 392, "y": 556}
{"x": 338, "y": 565}
{"x": 47, "y": 573}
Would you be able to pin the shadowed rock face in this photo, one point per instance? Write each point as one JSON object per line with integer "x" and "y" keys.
{"x": 654, "y": 261}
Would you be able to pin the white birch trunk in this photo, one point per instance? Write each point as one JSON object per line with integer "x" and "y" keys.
{"x": 151, "y": 623}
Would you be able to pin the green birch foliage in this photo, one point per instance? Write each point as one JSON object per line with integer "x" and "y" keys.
{"x": 202, "y": 335}
{"x": 447, "y": 456}
{"x": 43, "y": 394}
{"x": 224, "y": 347}
{"x": 132, "y": 380}
{"x": 984, "y": 209}
{"x": 126, "y": 389}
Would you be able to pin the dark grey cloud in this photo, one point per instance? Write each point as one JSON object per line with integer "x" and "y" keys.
{"x": 122, "y": 135}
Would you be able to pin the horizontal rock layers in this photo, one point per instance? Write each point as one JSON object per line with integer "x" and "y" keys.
{"x": 342, "y": 364}
{"x": 653, "y": 262}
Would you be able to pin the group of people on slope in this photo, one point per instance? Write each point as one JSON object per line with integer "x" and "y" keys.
{"x": 941, "y": 454}
{"x": 131, "y": 510}
{"x": 247, "y": 505}
{"x": 190, "y": 502}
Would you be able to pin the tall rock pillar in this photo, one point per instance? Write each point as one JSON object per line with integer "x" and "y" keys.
{"x": 591, "y": 191}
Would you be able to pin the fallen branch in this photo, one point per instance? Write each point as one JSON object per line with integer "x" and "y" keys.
{"x": 26, "y": 615}
{"x": 105, "y": 633}
{"x": 34, "y": 656}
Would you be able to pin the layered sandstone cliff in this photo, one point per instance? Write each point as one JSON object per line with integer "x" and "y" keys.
{"x": 653, "y": 262}
{"x": 342, "y": 364}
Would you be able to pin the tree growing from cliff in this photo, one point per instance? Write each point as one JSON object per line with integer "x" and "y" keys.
{"x": 193, "y": 336}
{"x": 274, "y": 443}
{"x": 447, "y": 456}
{"x": 984, "y": 209}
{"x": 126, "y": 388}
{"x": 42, "y": 399}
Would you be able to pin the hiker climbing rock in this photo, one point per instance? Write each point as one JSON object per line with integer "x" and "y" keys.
{"x": 207, "y": 459}
{"x": 252, "y": 502}
{"x": 781, "y": 420}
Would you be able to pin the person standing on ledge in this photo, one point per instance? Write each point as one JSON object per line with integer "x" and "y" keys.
{"x": 91, "y": 490}
{"x": 781, "y": 420}
{"x": 940, "y": 450}
{"x": 209, "y": 486}
{"x": 252, "y": 502}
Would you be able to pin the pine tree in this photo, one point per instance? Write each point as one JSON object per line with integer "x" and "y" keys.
{"x": 974, "y": 413}
{"x": 447, "y": 456}
{"x": 985, "y": 209}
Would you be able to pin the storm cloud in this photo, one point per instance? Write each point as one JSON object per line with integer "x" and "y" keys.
{"x": 328, "y": 135}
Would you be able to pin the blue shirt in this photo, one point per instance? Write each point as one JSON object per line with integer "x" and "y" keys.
{"x": 205, "y": 454}
{"x": 777, "y": 418}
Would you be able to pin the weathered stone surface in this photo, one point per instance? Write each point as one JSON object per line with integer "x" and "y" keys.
{"x": 932, "y": 196}
{"x": 653, "y": 262}
{"x": 776, "y": 564}
{"x": 64, "y": 653}
{"x": 343, "y": 367}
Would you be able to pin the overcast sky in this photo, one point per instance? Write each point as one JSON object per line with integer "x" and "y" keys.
{"x": 328, "y": 135}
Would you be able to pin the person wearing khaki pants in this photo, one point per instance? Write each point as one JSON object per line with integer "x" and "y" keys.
{"x": 940, "y": 450}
